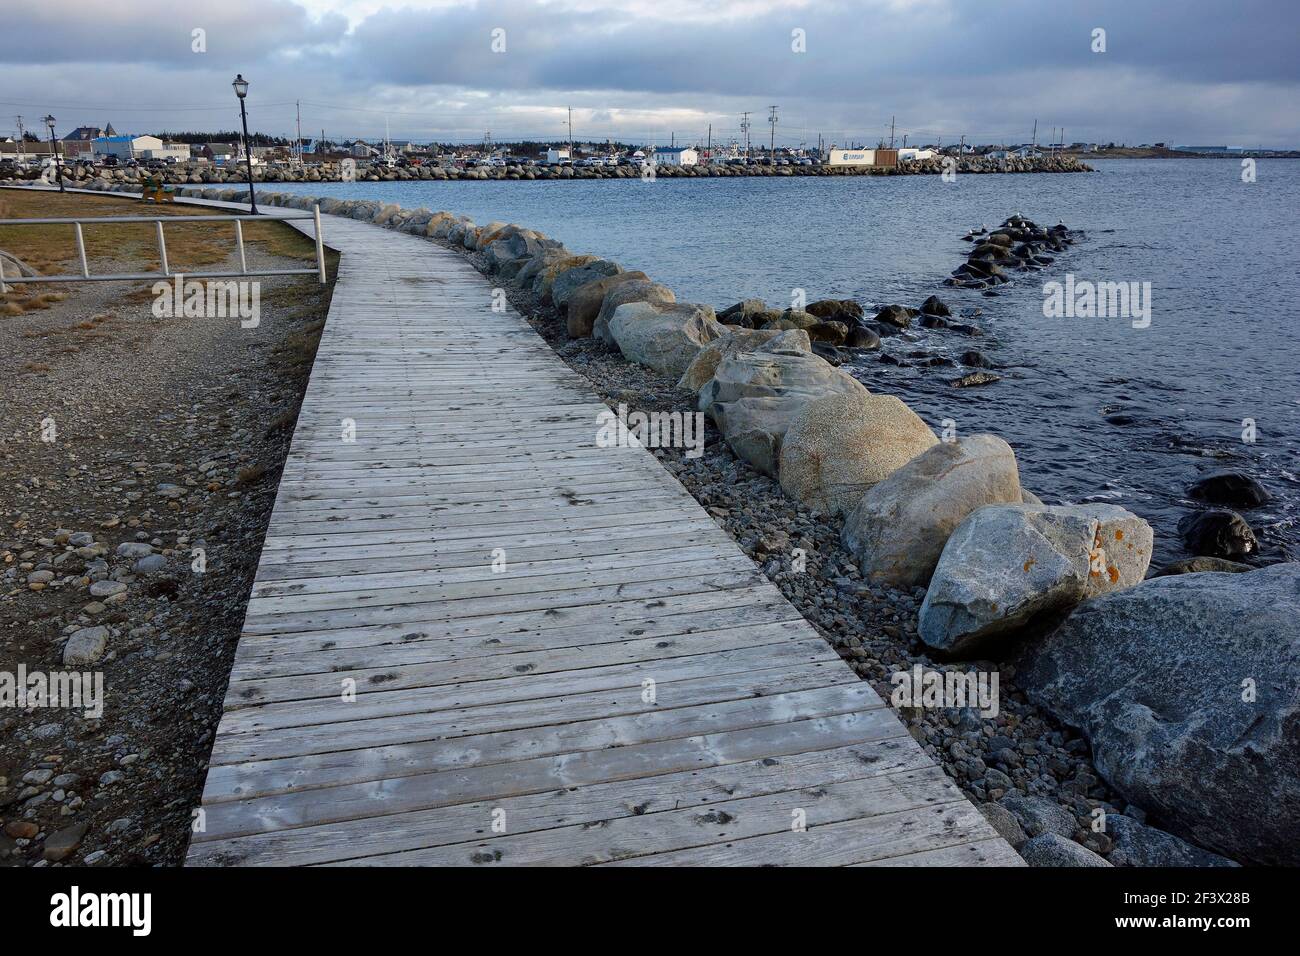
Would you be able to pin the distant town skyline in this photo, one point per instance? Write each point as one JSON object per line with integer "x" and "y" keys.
{"x": 450, "y": 71}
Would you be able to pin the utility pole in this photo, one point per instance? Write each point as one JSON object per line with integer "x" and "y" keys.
{"x": 1035, "y": 134}
{"x": 771, "y": 146}
{"x": 298, "y": 106}
{"x": 22, "y": 139}
{"x": 570, "y": 134}
{"x": 891, "y": 132}
{"x": 710, "y": 150}
{"x": 744, "y": 128}
{"x": 904, "y": 141}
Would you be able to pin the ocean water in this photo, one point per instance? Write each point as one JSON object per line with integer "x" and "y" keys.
{"x": 1095, "y": 408}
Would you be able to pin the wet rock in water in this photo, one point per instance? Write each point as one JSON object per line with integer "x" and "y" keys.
{"x": 862, "y": 338}
{"x": 827, "y": 352}
{"x": 833, "y": 333}
{"x": 839, "y": 446}
{"x": 839, "y": 310}
{"x": 895, "y": 315}
{"x": 1185, "y": 688}
{"x": 1218, "y": 534}
{"x": 965, "y": 328}
{"x": 1136, "y": 844}
{"x": 933, "y": 306}
{"x": 1050, "y": 849}
{"x": 85, "y": 646}
{"x": 899, "y": 527}
{"x": 933, "y": 322}
{"x": 742, "y": 313}
{"x": 1009, "y": 567}
{"x": 1230, "y": 488}
{"x": 972, "y": 379}
{"x": 1203, "y": 563}
{"x": 975, "y": 359}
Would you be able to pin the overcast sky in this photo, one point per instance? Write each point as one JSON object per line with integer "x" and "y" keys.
{"x": 1201, "y": 72}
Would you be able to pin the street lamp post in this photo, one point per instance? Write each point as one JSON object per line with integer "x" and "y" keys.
{"x": 54, "y": 151}
{"x": 241, "y": 90}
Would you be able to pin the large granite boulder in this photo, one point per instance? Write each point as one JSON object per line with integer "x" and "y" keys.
{"x": 584, "y": 303}
{"x": 755, "y": 427}
{"x": 1136, "y": 844}
{"x": 639, "y": 291}
{"x": 839, "y": 446}
{"x": 1188, "y": 689}
{"x": 665, "y": 338}
{"x": 1008, "y": 567}
{"x": 734, "y": 341}
{"x": 548, "y": 257}
{"x": 775, "y": 370}
{"x": 899, "y": 527}
{"x": 546, "y": 276}
{"x": 569, "y": 281}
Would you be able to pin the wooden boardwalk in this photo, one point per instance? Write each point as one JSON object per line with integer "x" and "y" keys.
{"x": 630, "y": 689}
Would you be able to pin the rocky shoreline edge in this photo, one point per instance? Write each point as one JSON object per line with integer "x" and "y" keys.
{"x": 1143, "y": 721}
{"x": 90, "y": 179}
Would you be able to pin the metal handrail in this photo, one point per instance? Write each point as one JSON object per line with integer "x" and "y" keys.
{"x": 166, "y": 272}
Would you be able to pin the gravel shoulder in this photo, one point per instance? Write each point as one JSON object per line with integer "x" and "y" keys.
{"x": 139, "y": 460}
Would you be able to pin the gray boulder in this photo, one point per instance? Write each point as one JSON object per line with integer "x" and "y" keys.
{"x": 775, "y": 370}
{"x": 1039, "y": 815}
{"x": 627, "y": 292}
{"x": 899, "y": 527}
{"x": 1050, "y": 849}
{"x": 1009, "y": 566}
{"x": 665, "y": 338}
{"x": 1137, "y": 844}
{"x": 734, "y": 341}
{"x": 1188, "y": 688}
{"x": 570, "y": 281}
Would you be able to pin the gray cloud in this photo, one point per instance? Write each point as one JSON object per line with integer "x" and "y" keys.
{"x": 1200, "y": 70}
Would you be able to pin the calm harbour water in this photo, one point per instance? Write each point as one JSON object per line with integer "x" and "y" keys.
{"x": 1220, "y": 254}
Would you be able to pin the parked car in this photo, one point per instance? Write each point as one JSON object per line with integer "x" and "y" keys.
{"x": 109, "y": 162}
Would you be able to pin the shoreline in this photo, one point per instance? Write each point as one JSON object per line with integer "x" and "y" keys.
{"x": 106, "y": 178}
{"x": 1028, "y": 769}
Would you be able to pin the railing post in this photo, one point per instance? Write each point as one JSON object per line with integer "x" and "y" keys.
{"x": 81, "y": 250}
{"x": 3, "y": 288}
{"x": 239, "y": 240}
{"x": 162, "y": 249}
{"x": 320, "y": 243}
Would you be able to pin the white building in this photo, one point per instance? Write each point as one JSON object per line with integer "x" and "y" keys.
{"x": 177, "y": 151}
{"x": 127, "y": 147}
{"x": 910, "y": 153}
{"x": 676, "y": 156}
{"x": 554, "y": 156}
{"x": 851, "y": 157}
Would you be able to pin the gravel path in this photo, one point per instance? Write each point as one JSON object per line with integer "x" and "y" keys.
{"x": 168, "y": 437}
